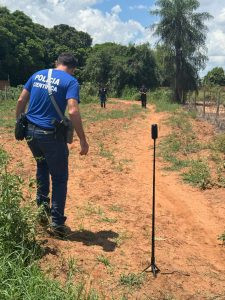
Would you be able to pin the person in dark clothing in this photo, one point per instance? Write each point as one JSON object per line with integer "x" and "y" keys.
{"x": 143, "y": 92}
{"x": 102, "y": 96}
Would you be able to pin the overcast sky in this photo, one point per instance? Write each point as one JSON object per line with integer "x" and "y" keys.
{"x": 121, "y": 21}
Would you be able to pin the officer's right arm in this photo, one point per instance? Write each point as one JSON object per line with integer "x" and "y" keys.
{"x": 74, "y": 114}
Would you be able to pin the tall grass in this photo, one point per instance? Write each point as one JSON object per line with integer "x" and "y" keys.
{"x": 162, "y": 99}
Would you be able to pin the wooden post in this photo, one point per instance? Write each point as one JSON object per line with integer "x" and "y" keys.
{"x": 218, "y": 105}
{"x": 195, "y": 100}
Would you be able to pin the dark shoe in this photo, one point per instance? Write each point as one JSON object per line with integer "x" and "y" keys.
{"x": 60, "y": 231}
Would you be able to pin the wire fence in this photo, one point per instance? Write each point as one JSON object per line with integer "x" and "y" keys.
{"x": 209, "y": 103}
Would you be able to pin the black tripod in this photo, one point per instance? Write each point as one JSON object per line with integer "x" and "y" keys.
{"x": 153, "y": 268}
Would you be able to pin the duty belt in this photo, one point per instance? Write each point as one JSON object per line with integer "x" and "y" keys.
{"x": 39, "y": 129}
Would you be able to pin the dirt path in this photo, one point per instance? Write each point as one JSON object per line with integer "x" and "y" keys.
{"x": 109, "y": 212}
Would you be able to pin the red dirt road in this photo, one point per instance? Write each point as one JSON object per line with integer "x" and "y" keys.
{"x": 109, "y": 212}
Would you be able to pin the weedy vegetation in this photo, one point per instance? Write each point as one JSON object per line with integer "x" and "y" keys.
{"x": 183, "y": 152}
{"x": 132, "y": 280}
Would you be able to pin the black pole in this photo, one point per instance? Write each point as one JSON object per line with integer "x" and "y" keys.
{"x": 153, "y": 209}
{"x": 153, "y": 268}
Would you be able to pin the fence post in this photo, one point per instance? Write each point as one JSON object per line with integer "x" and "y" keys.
{"x": 5, "y": 93}
{"x": 195, "y": 100}
{"x": 218, "y": 105}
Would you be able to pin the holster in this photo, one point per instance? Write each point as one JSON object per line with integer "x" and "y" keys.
{"x": 20, "y": 128}
{"x": 64, "y": 129}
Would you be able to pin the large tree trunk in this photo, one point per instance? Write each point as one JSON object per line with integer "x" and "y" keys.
{"x": 178, "y": 76}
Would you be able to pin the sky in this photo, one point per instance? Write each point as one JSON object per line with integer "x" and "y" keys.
{"x": 121, "y": 21}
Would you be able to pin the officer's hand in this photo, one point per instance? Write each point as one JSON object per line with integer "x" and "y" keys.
{"x": 84, "y": 147}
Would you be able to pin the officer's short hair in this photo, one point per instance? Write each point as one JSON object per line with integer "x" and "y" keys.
{"x": 67, "y": 59}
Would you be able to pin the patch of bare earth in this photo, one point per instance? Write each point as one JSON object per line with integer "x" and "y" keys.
{"x": 109, "y": 212}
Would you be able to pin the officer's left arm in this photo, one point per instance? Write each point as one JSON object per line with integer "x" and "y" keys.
{"x": 22, "y": 102}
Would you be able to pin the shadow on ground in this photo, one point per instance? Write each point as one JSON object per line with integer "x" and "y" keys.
{"x": 89, "y": 238}
{"x": 100, "y": 238}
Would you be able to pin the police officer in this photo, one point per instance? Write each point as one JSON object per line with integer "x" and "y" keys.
{"x": 143, "y": 92}
{"x": 102, "y": 96}
{"x": 49, "y": 149}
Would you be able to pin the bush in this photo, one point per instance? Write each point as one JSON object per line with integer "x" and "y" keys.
{"x": 162, "y": 99}
{"x": 11, "y": 93}
{"x": 130, "y": 93}
{"x": 88, "y": 93}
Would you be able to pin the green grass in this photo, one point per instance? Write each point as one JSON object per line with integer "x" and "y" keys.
{"x": 177, "y": 146}
{"x": 176, "y": 164}
{"x": 3, "y": 158}
{"x": 115, "y": 208}
{"x": 107, "y": 220}
{"x": 222, "y": 238}
{"x": 162, "y": 99}
{"x": 198, "y": 174}
{"x": 219, "y": 143}
{"x": 20, "y": 281}
{"x": 106, "y": 153}
{"x": 121, "y": 238}
{"x": 104, "y": 260}
{"x": 91, "y": 209}
{"x": 92, "y": 113}
{"x": 132, "y": 280}
{"x": 7, "y": 114}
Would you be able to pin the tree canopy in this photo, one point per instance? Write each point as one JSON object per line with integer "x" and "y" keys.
{"x": 183, "y": 33}
{"x": 118, "y": 66}
{"x": 215, "y": 77}
{"x": 26, "y": 46}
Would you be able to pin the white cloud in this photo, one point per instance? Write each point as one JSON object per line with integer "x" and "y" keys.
{"x": 81, "y": 14}
{"x": 216, "y": 35}
{"x": 140, "y": 6}
{"x": 116, "y": 9}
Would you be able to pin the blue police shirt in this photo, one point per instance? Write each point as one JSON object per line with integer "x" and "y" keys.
{"x": 41, "y": 111}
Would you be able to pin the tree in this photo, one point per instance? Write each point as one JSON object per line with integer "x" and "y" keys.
{"x": 181, "y": 30}
{"x": 26, "y": 47}
{"x": 21, "y": 52}
{"x": 64, "y": 38}
{"x": 215, "y": 77}
{"x": 118, "y": 66}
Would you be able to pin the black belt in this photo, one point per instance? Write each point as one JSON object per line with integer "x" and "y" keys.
{"x": 39, "y": 129}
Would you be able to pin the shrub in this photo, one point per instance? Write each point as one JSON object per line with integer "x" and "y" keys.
{"x": 11, "y": 93}
{"x": 130, "y": 93}
{"x": 198, "y": 174}
{"x": 88, "y": 93}
{"x": 162, "y": 99}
